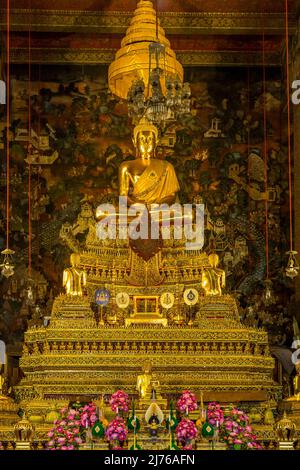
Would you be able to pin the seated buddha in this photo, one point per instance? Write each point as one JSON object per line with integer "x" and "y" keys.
{"x": 213, "y": 278}
{"x": 74, "y": 278}
{"x": 147, "y": 180}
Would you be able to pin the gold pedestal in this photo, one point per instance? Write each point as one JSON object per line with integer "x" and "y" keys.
{"x": 224, "y": 360}
{"x": 23, "y": 445}
{"x": 144, "y": 440}
{"x": 203, "y": 445}
{"x": 94, "y": 446}
{"x": 144, "y": 318}
{"x": 286, "y": 445}
{"x": 219, "y": 446}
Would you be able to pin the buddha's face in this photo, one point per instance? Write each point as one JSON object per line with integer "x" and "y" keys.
{"x": 146, "y": 143}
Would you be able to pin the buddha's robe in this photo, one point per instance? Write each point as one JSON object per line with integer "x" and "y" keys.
{"x": 156, "y": 183}
{"x": 73, "y": 281}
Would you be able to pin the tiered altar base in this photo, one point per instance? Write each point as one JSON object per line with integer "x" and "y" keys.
{"x": 75, "y": 357}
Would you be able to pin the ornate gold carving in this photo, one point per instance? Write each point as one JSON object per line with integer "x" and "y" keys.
{"x": 106, "y": 56}
{"x": 173, "y": 22}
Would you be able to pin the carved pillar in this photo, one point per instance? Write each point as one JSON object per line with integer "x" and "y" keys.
{"x": 296, "y": 110}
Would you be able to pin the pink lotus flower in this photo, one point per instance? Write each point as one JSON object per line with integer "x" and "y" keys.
{"x": 117, "y": 430}
{"x": 119, "y": 401}
{"x": 186, "y": 431}
{"x": 187, "y": 402}
{"x": 234, "y": 426}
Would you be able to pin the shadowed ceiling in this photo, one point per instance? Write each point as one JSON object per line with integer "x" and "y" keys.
{"x": 206, "y": 32}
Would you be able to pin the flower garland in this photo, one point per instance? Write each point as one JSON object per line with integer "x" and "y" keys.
{"x": 117, "y": 430}
{"x": 187, "y": 402}
{"x": 186, "y": 431}
{"x": 119, "y": 401}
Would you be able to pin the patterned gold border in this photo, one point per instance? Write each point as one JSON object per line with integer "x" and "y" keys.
{"x": 174, "y": 23}
{"x": 106, "y": 56}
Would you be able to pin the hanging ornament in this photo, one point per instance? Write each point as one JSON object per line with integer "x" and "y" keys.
{"x": 292, "y": 269}
{"x": 7, "y": 265}
{"x": 268, "y": 295}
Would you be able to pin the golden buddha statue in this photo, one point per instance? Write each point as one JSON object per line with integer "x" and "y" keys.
{"x": 213, "y": 278}
{"x": 147, "y": 180}
{"x": 2, "y": 382}
{"x": 144, "y": 381}
{"x": 296, "y": 385}
{"x": 74, "y": 278}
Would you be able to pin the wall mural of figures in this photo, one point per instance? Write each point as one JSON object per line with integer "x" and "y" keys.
{"x": 79, "y": 136}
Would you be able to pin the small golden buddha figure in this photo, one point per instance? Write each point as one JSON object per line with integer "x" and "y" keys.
{"x": 147, "y": 180}
{"x": 144, "y": 381}
{"x": 213, "y": 278}
{"x": 74, "y": 278}
{"x": 296, "y": 386}
{"x": 2, "y": 382}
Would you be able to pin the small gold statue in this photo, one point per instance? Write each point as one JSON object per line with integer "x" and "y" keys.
{"x": 296, "y": 386}
{"x": 213, "y": 278}
{"x": 147, "y": 180}
{"x": 74, "y": 278}
{"x": 2, "y": 382}
{"x": 144, "y": 380}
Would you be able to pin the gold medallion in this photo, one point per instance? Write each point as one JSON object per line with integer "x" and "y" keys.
{"x": 167, "y": 300}
{"x": 190, "y": 296}
{"x": 122, "y": 299}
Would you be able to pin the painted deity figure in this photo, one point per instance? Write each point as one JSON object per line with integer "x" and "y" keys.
{"x": 213, "y": 278}
{"x": 74, "y": 278}
{"x": 147, "y": 180}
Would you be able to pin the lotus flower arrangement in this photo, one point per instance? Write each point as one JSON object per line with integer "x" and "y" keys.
{"x": 88, "y": 415}
{"x": 186, "y": 431}
{"x": 234, "y": 428}
{"x": 187, "y": 402}
{"x": 119, "y": 401}
{"x": 237, "y": 432}
{"x": 67, "y": 432}
{"x": 215, "y": 414}
{"x": 117, "y": 430}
